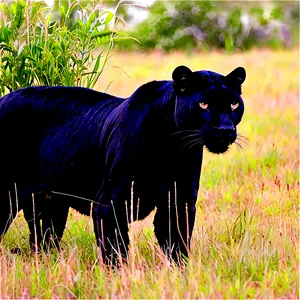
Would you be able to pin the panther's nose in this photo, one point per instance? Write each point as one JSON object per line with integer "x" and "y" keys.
{"x": 225, "y": 124}
{"x": 227, "y": 134}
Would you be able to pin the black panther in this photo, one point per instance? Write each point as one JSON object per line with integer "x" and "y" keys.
{"x": 129, "y": 155}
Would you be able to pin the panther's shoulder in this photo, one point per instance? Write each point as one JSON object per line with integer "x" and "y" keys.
{"x": 151, "y": 93}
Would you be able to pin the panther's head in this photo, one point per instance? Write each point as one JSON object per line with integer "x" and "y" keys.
{"x": 208, "y": 106}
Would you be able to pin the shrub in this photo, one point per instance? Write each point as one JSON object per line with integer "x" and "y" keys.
{"x": 41, "y": 47}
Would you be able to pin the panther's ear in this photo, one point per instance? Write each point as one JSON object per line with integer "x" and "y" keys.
{"x": 237, "y": 76}
{"x": 181, "y": 76}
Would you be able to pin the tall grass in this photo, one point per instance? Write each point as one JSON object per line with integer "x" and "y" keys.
{"x": 245, "y": 243}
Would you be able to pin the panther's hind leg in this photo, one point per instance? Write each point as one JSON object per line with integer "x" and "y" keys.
{"x": 54, "y": 219}
{"x": 32, "y": 215}
{"x": 53, "y": 213}
{"x": 9, "y": 207}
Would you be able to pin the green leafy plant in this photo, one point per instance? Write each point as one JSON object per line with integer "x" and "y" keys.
{"x": 68, "y": 45}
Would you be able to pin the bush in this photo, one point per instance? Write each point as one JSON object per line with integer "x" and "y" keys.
{"x": 41, "y": 47}
{"x": 225, "y": 25}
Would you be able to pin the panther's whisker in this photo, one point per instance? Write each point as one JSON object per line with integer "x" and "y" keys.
{"x": 188, "y": 143}
{"x": 184, "y": 131}
{"x": 242, "y": 141}
{"x": 238, "y": 144}
{"x": 242, "y": 150}
{"x": 191, "y": 142}
{"x": 191, "y": 135}
{"x": 242, "y": 136}
{"x": 240, "y": 147}
{"x": 243, "y": 145}
{"x": 197, "y": 143}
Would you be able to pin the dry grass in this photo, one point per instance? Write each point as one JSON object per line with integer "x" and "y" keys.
{"x": 245, "y": 243}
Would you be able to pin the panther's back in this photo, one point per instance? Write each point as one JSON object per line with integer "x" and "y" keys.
{"x": 29, "y": 114}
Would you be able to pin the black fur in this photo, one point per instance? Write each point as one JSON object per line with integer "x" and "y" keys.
{"x": 97, "y": 146}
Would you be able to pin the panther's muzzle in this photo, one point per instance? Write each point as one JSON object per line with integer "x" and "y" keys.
{"x": 219, "y": 140}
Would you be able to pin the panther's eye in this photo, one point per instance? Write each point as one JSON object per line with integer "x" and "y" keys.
{"x": 234, "y": 105}
{"x": 203, "y": 105}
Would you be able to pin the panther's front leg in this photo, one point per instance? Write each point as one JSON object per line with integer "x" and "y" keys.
{"x": 174, "y": 220}
{"x": 175, "y": 216}
{"x": 110, "y": 216}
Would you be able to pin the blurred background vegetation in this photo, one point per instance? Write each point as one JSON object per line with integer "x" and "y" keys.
{"x": 228, "y": 25}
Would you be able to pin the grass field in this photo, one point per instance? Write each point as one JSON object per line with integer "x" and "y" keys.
{"x": 246, "y": 238}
